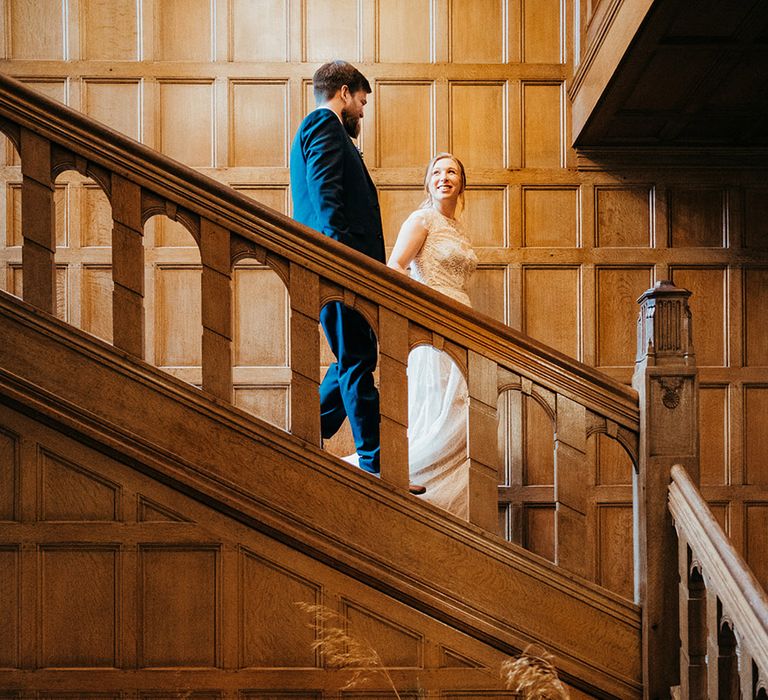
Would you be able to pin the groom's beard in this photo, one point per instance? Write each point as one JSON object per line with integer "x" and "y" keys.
{"x": 351, "y": 124}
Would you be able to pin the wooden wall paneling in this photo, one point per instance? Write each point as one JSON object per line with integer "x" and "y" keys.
{"x": 9, "y": 476}
{"x": 714, "y": 435}
{"x": 109, "y": 30}
{"x": 332, "y": 28}
{"x": 179, "y": 617}
{"x": 551, "y": 307}
{"x": 398, "y": 646}
{"x": 708, "y": 306}
{"x": 270, "y": 403}
{"x": 186, "y": 121}
{"x": 623, "y": 216}
{"x": 755, "y": 316}
{"x": 756, "y": 540}
{"x": 697, "y": 217}
{"x": 478, "y": 32}
{"x": 542, "y": 125}
{"x": 16, "y": 283}
{"x": 56, "y": 89}
{"x": 397, "y": 203}
{"x": 183, "y": 30}
{"x": 613, "y": 464}
{"x": 489, "y": 291}
{"x": 403, "y": 31}
{"x": 177, "y": 326}
{"x": 538, "y": 444}
{"x": 259, "y": 31}
{"x": 79, "y": 630}
{"x": 615, "y": 569}
{"x": 36, "y": 30}
{"x": 755, "y": 428}
{"x": 258, "y": 123}
{"x": 95, "y": 217}
{"x": 616, "y": 310}
{"x": 9, "y": 606}
{"x": 96, "y": 292}
{"x": 756, "y": 219}
{"x": 472, "y": 104}
{"x": 544, "y": 30}
{"x": 405, "y": 114}
{"x": 539, "y": 530}
{"x": 550, "y": 216}
{"x": 115, "y": 103}
{"x": 274, "y": 197}
{"x": 486, "y": 217}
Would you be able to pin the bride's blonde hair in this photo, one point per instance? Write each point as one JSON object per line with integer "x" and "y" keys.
{"x": 462, "y": 174}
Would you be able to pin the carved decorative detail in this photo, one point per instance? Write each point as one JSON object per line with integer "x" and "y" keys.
{"x": 665, "y": 332}
{"x": 671, "y": 387}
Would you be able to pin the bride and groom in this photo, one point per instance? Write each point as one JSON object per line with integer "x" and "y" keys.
{"x": 334, "y": 194}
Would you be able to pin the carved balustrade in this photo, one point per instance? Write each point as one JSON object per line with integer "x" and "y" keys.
{"x": 723, "y": 609}
{"x": 229, "y": 227}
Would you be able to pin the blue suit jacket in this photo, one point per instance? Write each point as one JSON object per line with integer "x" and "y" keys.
{"x": 330, "y": 185}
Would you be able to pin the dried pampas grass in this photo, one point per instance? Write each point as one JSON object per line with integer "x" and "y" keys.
{"x": 340, "y": 650}
{"x": 533, "y": 675}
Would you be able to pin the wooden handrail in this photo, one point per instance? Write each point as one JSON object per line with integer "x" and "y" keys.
{"x": 726, "y": 575}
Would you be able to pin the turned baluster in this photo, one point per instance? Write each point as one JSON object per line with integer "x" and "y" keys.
{"x": 38, "y": 214}
{"x": 216, "y": 309}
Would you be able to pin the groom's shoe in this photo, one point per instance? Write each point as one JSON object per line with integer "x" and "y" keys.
{"x": 416, "y": 489}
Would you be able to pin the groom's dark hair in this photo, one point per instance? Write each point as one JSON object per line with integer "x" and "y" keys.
{"x": 329, "y": 78}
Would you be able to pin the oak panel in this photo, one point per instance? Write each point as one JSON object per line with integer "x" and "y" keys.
{"x": 56, "y": 90}
{"x": 14, "y": 215}
{"x": 183, "y": 30}
{"x": 551, "y": 307}
{"x": 16, "y": 284}
{"x": 9, "y": 475}
{"x": 485, "y": 216}
{"x": 488, "y": 291}
{"x": 323, "y": 37}
{"x": 477, "y": 29}
{"x": 35, "y": 29}
{"x": 713, "y": 434}
{"x": 697, "y": 217}
{"x": 539, "y": 530}
{"x": 274, "y": 630}
{"x": 403, "y": 31}
{"x": 756, "y": 219}
{"x": 614, "y": 555}
{"x": 397, "y": 646}
{"x": 259, "y": 123}
{"x": 109, "y": 30}
{"x": 259, "y": 30}
{"x": 186, "y": 122}
{"x": 78, "y": 630}
{"x": 270, "y": 403}
{"x": 550, "y": 216}
{"x": 178, "y": 325}
{"x": 404, "y": 116}
{"x": 9, "y": 607}
{"x": 274, "y": 197}
{"x": 178, "y": 614}
{"x": 397, "y": 203}
{"x": 542, "y": 125}
{"x": 708, "y": 306}
{"x": 756, "y": 523}
{"x": 538, "y": 446}
{"x": 755, "y": 303}
{"x": 617, "y": 292}
{"x": 613, "y": 464}
{"x": 261, "y": 317}
{"x": 116, "y": 103}
{"x": 478, "y": 123}
{"x": 70, "y": 492}
{"x": 169, "y": 233}
{"x": 96, "y": 301}
{"x": 623, "y": 216}
{"x": 95, "y": 217}
{"x": 542, "y": 31}
{"x": 755, "y": 430}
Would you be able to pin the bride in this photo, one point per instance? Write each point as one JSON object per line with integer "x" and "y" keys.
{"x": 433, "y": 243}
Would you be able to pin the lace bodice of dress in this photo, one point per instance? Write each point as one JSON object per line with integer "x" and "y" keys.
{"x": 446, "y": 260}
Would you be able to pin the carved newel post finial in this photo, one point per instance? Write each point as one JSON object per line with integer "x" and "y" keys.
{"x": 666, "y": 381}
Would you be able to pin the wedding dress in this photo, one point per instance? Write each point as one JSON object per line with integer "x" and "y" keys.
{"x": 437, "y": 390}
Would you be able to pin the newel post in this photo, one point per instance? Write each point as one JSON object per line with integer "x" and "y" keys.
{"x": 667, "y": 383}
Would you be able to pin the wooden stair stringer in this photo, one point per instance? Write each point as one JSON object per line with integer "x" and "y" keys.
{"x": 261, "y": 476}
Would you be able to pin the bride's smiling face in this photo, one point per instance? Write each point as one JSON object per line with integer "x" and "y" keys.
{"x": 445, "y": 181}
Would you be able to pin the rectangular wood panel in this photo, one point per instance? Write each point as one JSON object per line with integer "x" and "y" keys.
{"x": 186, "y": 122}
{"x": 623, "y": 216}
{"x": 756, "y": 219}
{"x": 167, "y": 233}
{"x": 15, "y": 230}
{"x": 755, "y": 430}
{"x": 178, "y": 324}
{"x": 259, "y": 120}
{"x": 485, "y": 217}
{"x": 708, "y": 306}
{"x": 78, "y": 606}
{"x": 96, "y": 301}
{"x": 323, "y": 40}
{"x": 9, "y": 476}
{"x": 756, "y": 523}
{"x": 259, "y": 30}
{"x": 543, "y": 31}
{"x": 542, "y": 105}
{"x": 697, "y": 217}
{"x": 755, "y": 304}
{"x": 614, "y": 556}
{"x": 184, "y": 30}
{"x": 95, "y": 217}
{"x": 477, "y": 31}
{"x": 115, "y": 103}
{"x": 403, "y": 31}
{"x": 397, "y": 203}
{"x": 556, "y": 324}
{"x": 539, "y": 530}
{"x": 473, "y": 104}
{"x": 713, "y": 435}
{"x": 550, "y": 216}
{"x": 613, "y": 464}
{"x": 274, "y": 197}
{"x": 109, "y": 30}
{"x": 538, "y": 446}
{"x": 269, "y": 403}
{"x": 488, "y": 291}
{"x": 179, "y": 615}
{"x": 36, "y": 29}
{"x": 9, "y": 607}
{"x": 403, "y": 141}
{"x": 16, "y": 284}
{"x": 616, "y": 303}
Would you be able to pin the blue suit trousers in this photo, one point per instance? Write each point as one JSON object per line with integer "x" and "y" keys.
{"x": 347, "y": 390}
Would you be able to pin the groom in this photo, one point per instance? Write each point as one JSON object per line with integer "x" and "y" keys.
{"x": 333, "y": 193}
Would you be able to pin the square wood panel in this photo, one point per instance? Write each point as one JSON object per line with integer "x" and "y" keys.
{"x": 184, "y": 30}
{"x": 397, "y": 203}
{"x": 403, "y": 31}
{"x": 623, "y": 216}
{"x": 404, "y": 117}
{"x": 697, "y": 217}
{"x": 485, "y": 216}
{"x": 323, "y": 39}
{"x": 35, "y": 29}
{"x": 186, "y": 122}
{"x": 556, "y": 324}
{"x": 259, "y": 30}
{"x": 109, "y": 30}
{"x": 477, "y": 31}
{"x": 550, "y": 217}
{"x": 478, "y": 119}
{"x": 116, "y": 104}
{"x": 258, "y": 123}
